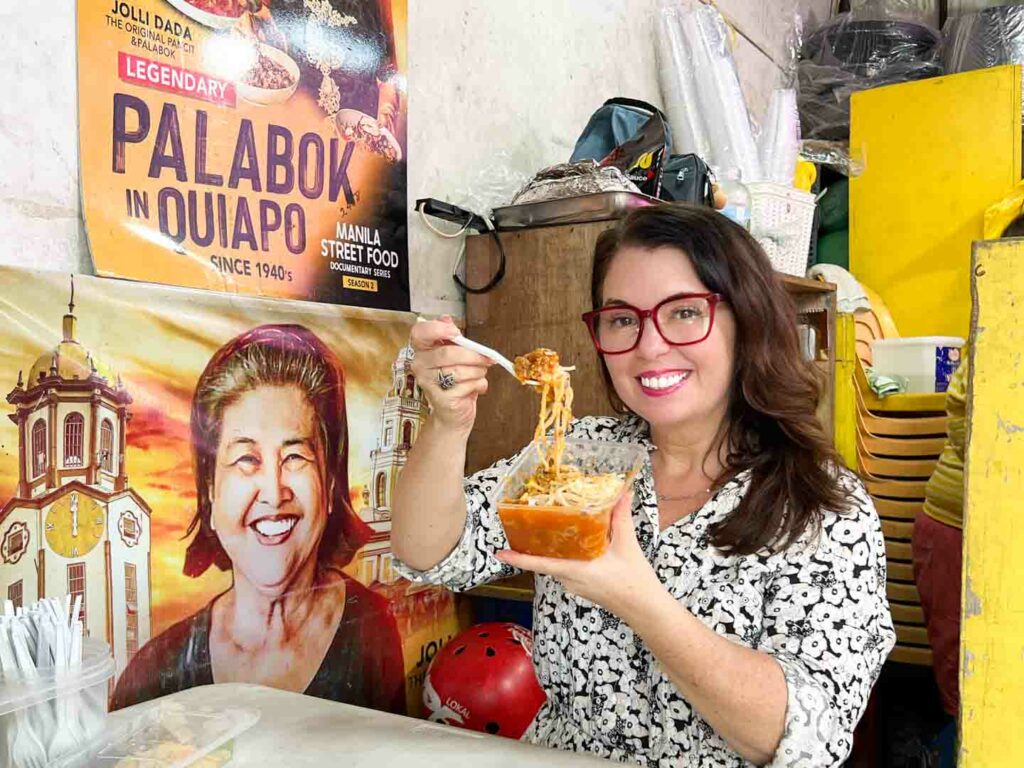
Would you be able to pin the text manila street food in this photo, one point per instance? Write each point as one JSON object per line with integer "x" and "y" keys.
{"x": 559, "y": 510}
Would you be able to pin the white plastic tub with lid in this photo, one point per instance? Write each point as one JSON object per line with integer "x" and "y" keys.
{"x": 926, "y": 363}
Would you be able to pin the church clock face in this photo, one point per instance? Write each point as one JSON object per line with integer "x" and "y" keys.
{"x": 74, "y": 525}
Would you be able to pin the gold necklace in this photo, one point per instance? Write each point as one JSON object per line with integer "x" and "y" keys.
{"x": 677, "y": 497}
{"x": 682, "y": 497}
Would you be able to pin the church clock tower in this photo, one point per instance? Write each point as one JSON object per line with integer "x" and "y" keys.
{"x": 75, "y": 526}
{"x": 403, "y": 413}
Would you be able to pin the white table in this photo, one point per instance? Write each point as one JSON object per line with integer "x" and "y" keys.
{"x": 299, "y": 731}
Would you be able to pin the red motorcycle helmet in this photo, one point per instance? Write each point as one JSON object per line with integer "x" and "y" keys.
{"x": 483, "y": 680}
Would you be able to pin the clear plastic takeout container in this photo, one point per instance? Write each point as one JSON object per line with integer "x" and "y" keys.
{"x": 169, "y": 734}
{"x": 574, "y": 532}
{"x": 35, "y": 707}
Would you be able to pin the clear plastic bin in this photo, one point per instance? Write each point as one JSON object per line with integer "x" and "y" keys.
{"x": 574, "y": 532}
{"x": 32, "y": 707}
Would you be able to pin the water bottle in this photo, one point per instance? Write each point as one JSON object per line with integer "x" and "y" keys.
{"x": 737, "y": 198}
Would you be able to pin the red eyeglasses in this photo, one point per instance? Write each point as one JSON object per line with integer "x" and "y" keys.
{"x": 681, "y": 320}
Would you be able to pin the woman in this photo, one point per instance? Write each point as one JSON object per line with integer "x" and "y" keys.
{"x": 739, "y": 615}
{"x": 270, "y": 453}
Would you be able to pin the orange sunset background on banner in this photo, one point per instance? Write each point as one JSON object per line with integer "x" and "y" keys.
{"x": 159, "y": 340}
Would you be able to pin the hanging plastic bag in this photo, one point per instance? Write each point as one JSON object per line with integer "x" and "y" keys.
{"x": 779, "y": 142}
{"x": 867, "y": 48}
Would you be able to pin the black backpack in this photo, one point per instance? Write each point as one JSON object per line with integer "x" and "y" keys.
{"x": 687, "y": 179}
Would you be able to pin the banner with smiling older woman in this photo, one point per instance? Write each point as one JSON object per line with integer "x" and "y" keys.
{"x": 213, "y": 475}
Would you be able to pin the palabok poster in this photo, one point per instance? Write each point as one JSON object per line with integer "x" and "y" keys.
{"x": 251, "y": 146}
{"x": 213, "y": 474}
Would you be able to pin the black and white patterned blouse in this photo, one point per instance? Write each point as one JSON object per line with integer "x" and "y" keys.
{"x": 819, "y": 608}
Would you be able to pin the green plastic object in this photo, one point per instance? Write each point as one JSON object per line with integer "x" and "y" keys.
{"x": 834, "y": 207}
{"x": 834, "y": 248}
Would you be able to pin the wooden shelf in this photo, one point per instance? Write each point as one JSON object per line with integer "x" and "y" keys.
{"x": 797, "y": 285}
{"x": 916, "y": 403}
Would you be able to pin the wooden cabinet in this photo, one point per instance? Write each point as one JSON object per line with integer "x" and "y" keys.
{"x": 538, "y": 304}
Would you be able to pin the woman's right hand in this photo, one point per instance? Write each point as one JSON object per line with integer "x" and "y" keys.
{"x": 433, "y": 352}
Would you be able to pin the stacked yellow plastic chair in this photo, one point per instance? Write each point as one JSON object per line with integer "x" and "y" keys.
{"x": 899, "y": 439}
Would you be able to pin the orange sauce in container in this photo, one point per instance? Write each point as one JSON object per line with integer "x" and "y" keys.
{"x": 552, "y": 531}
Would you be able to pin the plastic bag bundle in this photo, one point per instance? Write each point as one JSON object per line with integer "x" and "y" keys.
{"x": 678, "y": 86}
{"x": 855, "y": 51}
{"x": 986, "y": 38}
{"x": 704, "y": 102}
{"x": 919, "y": 11}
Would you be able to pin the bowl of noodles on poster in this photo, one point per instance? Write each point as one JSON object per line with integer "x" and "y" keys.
{"x": 215, "y": 14}
{"x": 271, "y": 78}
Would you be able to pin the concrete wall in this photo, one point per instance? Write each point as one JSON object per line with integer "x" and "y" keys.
{"x": 40, "y": 221}
{"x": 497, "y": 90}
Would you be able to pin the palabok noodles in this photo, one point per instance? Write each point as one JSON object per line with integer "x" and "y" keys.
{"x": 559, "y": 510}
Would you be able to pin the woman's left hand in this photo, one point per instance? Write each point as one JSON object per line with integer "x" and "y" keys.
{"x": 614, "y": 580}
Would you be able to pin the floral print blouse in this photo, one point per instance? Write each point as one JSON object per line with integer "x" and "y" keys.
{"x": 818, "y": 608}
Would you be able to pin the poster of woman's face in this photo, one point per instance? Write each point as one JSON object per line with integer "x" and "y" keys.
{"x": 230, "y": 456}
{"x": 268, "y": 503}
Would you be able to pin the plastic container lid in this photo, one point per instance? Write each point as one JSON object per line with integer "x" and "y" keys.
{"x": 18, "y": 692}
{"x": 589, "y": 456}
{"x": 919, "y": 341}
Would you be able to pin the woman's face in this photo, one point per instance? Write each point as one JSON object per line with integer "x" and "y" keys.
{"x": 269, "y": 502}
{"x": 669, "y": 386}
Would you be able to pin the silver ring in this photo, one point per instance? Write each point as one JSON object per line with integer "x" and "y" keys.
{"x": 445, "y": 380}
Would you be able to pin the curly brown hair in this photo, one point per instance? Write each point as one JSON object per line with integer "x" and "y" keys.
{"x": 772, "y": 428}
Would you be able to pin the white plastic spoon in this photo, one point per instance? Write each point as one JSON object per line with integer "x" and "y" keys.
{"x": 480, "y": 349}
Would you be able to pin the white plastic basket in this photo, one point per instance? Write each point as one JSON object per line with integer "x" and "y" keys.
{"x": 781, "y": 220}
